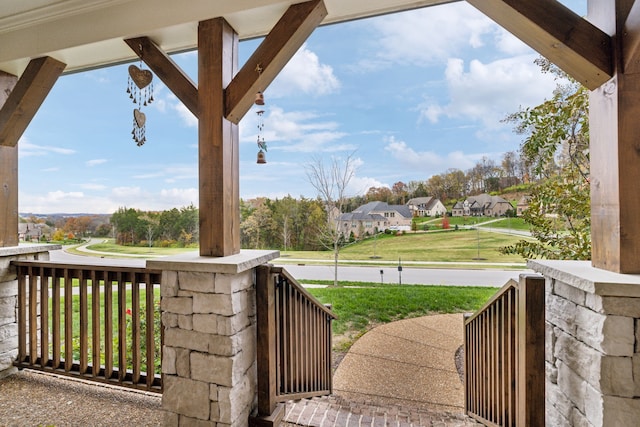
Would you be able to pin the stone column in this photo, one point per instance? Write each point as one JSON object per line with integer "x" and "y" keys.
{"x": 209, "y": 321}
{"x": 592, "y": 345}
{"x": 9, "y": 299}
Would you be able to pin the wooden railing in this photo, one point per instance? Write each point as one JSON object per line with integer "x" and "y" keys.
{"x": 504, "y": 356}
{"x": 95, "y": 322}
{"x": 294, "y": 341}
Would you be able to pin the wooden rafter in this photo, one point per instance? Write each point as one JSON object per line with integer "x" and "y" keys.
{"x": 631, "y": 41}
{"x": 574, "y": 44}
{"x": 27, "y": 96}
{"x": 282, "y": 42}
{"x": 167, "y": 70}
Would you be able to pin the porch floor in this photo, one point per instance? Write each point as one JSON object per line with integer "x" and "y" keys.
{"x": 30, "y": 398}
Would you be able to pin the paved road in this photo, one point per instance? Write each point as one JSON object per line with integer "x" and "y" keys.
{"x": 409, "y": 275}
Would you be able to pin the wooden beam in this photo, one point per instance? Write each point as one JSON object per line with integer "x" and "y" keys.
{"x": 218, "y": 141}
{"x": 27, "y": 96}
{"x": 631, "y": 41}
{"x": 8, "y": 176}
{"x": 282, "y": 42}
{"x": 578, "y": 47}
{"x": 167, "y": 70}
{"x": 614, "y": 127}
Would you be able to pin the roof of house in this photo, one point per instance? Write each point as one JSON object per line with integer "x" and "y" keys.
{"x": 420, "y": 200}
{"x": 485, "y": 201}
{"x": 359, "y": 216}
{"x": 376, "y": 207}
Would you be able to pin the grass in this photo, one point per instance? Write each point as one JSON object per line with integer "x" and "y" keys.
{"x": 111, "y": 247}
{"x": 114, "y": 325}
{"x": 361, "y": 306}
{"x": 443, "y": 246}
{"x": 511, "y": 223}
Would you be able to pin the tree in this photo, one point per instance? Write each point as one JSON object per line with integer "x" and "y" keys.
{"x": 557, "y": 145}
{"x": 331, "y": 182}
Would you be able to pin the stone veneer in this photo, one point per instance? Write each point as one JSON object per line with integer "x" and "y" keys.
{"x": 592, "y": 345}
{"x": 209, "y": 319}
{"x": 9, "y": 299}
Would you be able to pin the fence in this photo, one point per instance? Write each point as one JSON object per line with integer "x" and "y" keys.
{"x": 504, "y": 356}
{"x": 94, "y": 322}
{"x": 294, "y": 341}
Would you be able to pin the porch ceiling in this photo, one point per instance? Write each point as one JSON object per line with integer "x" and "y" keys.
{"x": 89, "y": 33}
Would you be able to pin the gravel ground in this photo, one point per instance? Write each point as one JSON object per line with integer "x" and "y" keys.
{"x": 30, "y": 398}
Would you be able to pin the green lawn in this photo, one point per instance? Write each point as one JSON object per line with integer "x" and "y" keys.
{"x": 114, "y": 326}
{"x": 510, "y": 223}
{"x": 369, "y": 304}
{"x": 110, "y": 246}
{"x": 442, "y": 246}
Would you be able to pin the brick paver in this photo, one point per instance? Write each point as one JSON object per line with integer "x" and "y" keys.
{"x": 332, "y": 411}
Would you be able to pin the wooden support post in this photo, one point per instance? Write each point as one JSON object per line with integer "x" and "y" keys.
{"x": 218, "y": 143}
{"x": 531, "y": 347}
{"x": 614, "y": 127}
{"x": 8, "y": 176}
{"x": 269, "y": 411}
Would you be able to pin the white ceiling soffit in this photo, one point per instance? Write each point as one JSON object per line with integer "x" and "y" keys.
{"x": 86, "y": 34}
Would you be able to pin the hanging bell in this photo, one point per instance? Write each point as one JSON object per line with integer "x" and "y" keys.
{"x": 261, "y": 158}
{"x": 259, "y": 99}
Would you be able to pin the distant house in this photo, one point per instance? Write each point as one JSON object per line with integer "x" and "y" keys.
{"x": 29, "y": 231}
{"x": 482, "y": 205}
{"x": 374, "y": 216}
{"x": 523, "y": 205}
{"x": 461, "y": 209}
{"x": 426, "y": 206}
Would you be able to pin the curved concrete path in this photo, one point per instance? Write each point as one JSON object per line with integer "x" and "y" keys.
{"x": 401, "y": 374}
{"x": 408, "y": 362}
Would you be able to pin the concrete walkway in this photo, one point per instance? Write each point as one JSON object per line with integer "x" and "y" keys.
{"x": 399, "y": 374}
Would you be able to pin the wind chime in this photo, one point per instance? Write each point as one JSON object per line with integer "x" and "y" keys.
{"x": 140, "y": 90}
{"x": 262, "y": 146}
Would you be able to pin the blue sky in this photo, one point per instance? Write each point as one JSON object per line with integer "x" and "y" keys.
{"x": 410, "y": 94}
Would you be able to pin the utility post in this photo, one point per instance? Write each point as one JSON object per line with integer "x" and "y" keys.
{"x": 399, "y": 271}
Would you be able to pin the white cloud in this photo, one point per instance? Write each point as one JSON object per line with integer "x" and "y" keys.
{"x": 428, "y": 162}
{"x": 167, "y": 198}
{"x": 488, "y": 92}
{"x": 304, "y": 74}
{"x": 359, "y": 185}
{"x": 185, "y": 114}
{"x": 427, "y": 36}
{"x": 296, "y": 131}
{"x": 95, "y": 187}
{"x": 27, "y": 149}
{"x": 95, "y": 162}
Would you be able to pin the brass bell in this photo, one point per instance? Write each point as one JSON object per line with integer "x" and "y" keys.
{"x": 261, "y": 158}
{"x": 259, "y": 99}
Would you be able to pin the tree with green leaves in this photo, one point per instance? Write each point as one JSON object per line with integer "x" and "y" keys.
{"x": 556, "y": 148}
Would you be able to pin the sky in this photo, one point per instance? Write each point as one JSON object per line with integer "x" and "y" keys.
{"x": 408, "y": 95}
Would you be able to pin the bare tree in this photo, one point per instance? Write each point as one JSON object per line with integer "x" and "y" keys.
{"x": 331, "y": 182}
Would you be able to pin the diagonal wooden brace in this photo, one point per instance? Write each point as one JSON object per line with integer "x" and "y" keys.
{"x": 26, "y": 98}
{"x": 575, "y": 45}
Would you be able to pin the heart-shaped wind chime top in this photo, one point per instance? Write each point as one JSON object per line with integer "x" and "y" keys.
{"x": 140, "y": 90}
